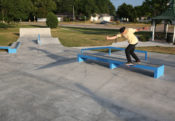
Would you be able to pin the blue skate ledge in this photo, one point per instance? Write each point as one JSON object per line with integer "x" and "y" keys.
{"x": 158, "y": 70}
{"x": 39, "y": 39}
{"x": 11, "y": 49}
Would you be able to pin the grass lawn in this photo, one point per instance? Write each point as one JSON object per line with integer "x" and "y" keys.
{"x": 8, "y": 36}
{"x": 76, "y": 37}
{"x": 167, "y": 50}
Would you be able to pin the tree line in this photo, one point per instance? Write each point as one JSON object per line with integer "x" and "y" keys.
{"x": 20, "y": 10}
{"x": 149, "y": 9}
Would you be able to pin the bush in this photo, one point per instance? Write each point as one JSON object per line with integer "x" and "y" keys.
{"x": 2, "y": 25}
{"x": 67, "y": 19}
{"x": 144, "y": 38}
{"x": 117, "y": 22}
{"x": 52, "y": 20}
{"x": 160, "y": 35}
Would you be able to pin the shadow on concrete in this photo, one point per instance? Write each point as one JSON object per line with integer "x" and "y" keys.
{"x": 139, "y": 71}
{"x": 60, "y": 60}
{"x": 34, "y": 41}
{"x": 119, "y": 111}
{"x": 59, "y": 63}
{"x": 132, "y": 69}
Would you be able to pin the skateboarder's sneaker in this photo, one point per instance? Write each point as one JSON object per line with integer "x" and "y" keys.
{"x": 137, "y": 62}
{"x": 129, "y": 64}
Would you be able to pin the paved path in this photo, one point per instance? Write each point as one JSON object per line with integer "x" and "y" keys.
{"x": 45, "y": 83}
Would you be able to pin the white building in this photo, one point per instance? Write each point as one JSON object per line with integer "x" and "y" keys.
{"x": 95, "y": 18}
{"x": 60, "y": 19}
{"x": 100, "y": 18}
{"x": 105, "y": 17}
{"x": 44, "y": 19}
{"x": 41, "y": 19}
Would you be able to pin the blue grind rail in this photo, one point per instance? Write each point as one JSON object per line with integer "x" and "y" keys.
{"x": 114, "y": 48}
{"x": 10, "y": 49}
{"x": 158, "y": 71}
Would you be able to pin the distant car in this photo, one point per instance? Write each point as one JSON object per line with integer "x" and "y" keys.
{"x": 104, "y": 22}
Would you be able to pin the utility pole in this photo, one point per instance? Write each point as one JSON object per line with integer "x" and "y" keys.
{"x": 73, "y": 14}
{"x": 73, "y": 10}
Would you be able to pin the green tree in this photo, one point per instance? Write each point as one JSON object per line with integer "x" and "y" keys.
{"x": 15, "y": 10}
{"x": 112, "y": 10}
{"x": 52, "y": 20}
{"x": 85, "y": 7}
{"x": 154, "y": 7}
{"x": 88, "y": 7}
{"x": 42, "y": 7}
{"x": 149, "y": 8}
{"x": 139, "y": 11}
{"x": 127, "y": 11}
{"x": 105, "y": 6}
{"x": 65, "y": 6}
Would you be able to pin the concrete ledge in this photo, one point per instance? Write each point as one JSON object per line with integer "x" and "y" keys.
{"x": 13, "y": 48}
{"x": 158, "y": 70}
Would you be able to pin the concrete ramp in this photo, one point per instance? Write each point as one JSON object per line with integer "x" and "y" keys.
{"x": 41, "y": 35}
{"x": 33, "y": 32}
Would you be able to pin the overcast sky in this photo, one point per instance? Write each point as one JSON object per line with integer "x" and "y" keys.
{"x": 117, "y": 3}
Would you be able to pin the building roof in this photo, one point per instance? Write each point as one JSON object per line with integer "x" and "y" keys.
{"x": 169, "y": 14}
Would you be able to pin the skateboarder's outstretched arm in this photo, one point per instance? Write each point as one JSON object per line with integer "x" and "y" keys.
{"x": 113, "y": 37}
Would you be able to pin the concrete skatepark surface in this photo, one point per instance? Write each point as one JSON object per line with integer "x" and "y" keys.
{"x": 46, "y": 83}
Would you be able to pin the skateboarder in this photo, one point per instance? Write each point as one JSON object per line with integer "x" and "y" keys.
{"x": 128, "y": 33}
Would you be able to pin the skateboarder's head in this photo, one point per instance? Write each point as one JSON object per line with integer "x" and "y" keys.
{"x": 122, "y": 29}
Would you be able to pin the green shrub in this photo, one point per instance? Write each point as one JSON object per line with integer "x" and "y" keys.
{"x": 67, "y": 19}
{"x": 143, "y": 38}
{"x": 2, "y": 25}
{"x": 160, "y": 35}
{"x": 52, "y": 20}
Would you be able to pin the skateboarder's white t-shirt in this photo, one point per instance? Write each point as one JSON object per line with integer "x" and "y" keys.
{"x": 129, "y": 35}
